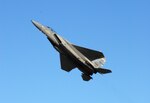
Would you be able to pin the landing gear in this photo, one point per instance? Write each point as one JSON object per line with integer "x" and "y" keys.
{"x": 86, "y": 77}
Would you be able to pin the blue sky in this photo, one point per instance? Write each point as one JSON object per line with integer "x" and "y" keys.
{"x": 30, "y": 67}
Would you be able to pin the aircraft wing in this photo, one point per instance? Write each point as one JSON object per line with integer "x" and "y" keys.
{"x": 66, "y": 64}
{"x": 90, "y": 54}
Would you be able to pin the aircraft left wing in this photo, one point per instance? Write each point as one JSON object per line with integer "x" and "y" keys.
{"x": 66, "y": 64}
{"x": 90, "y": 54}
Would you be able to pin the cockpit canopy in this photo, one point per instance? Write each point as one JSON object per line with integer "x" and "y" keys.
{"x": 51, "y": 29}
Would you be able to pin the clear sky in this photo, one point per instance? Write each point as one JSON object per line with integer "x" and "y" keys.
{"x": 30, "y": 67}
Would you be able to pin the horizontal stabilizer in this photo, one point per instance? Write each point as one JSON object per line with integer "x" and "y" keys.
{"x": 103, "y": 71}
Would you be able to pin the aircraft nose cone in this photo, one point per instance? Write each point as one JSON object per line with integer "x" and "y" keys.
{"x": 38, "y": 25}
{"x": 34, "y": 22}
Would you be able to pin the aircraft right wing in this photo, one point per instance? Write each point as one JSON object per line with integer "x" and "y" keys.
{"x": 90, "y": 54}
{"x": 66, "y": 64}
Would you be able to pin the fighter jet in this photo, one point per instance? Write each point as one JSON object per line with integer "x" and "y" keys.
{"x": 88, "y": 61}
